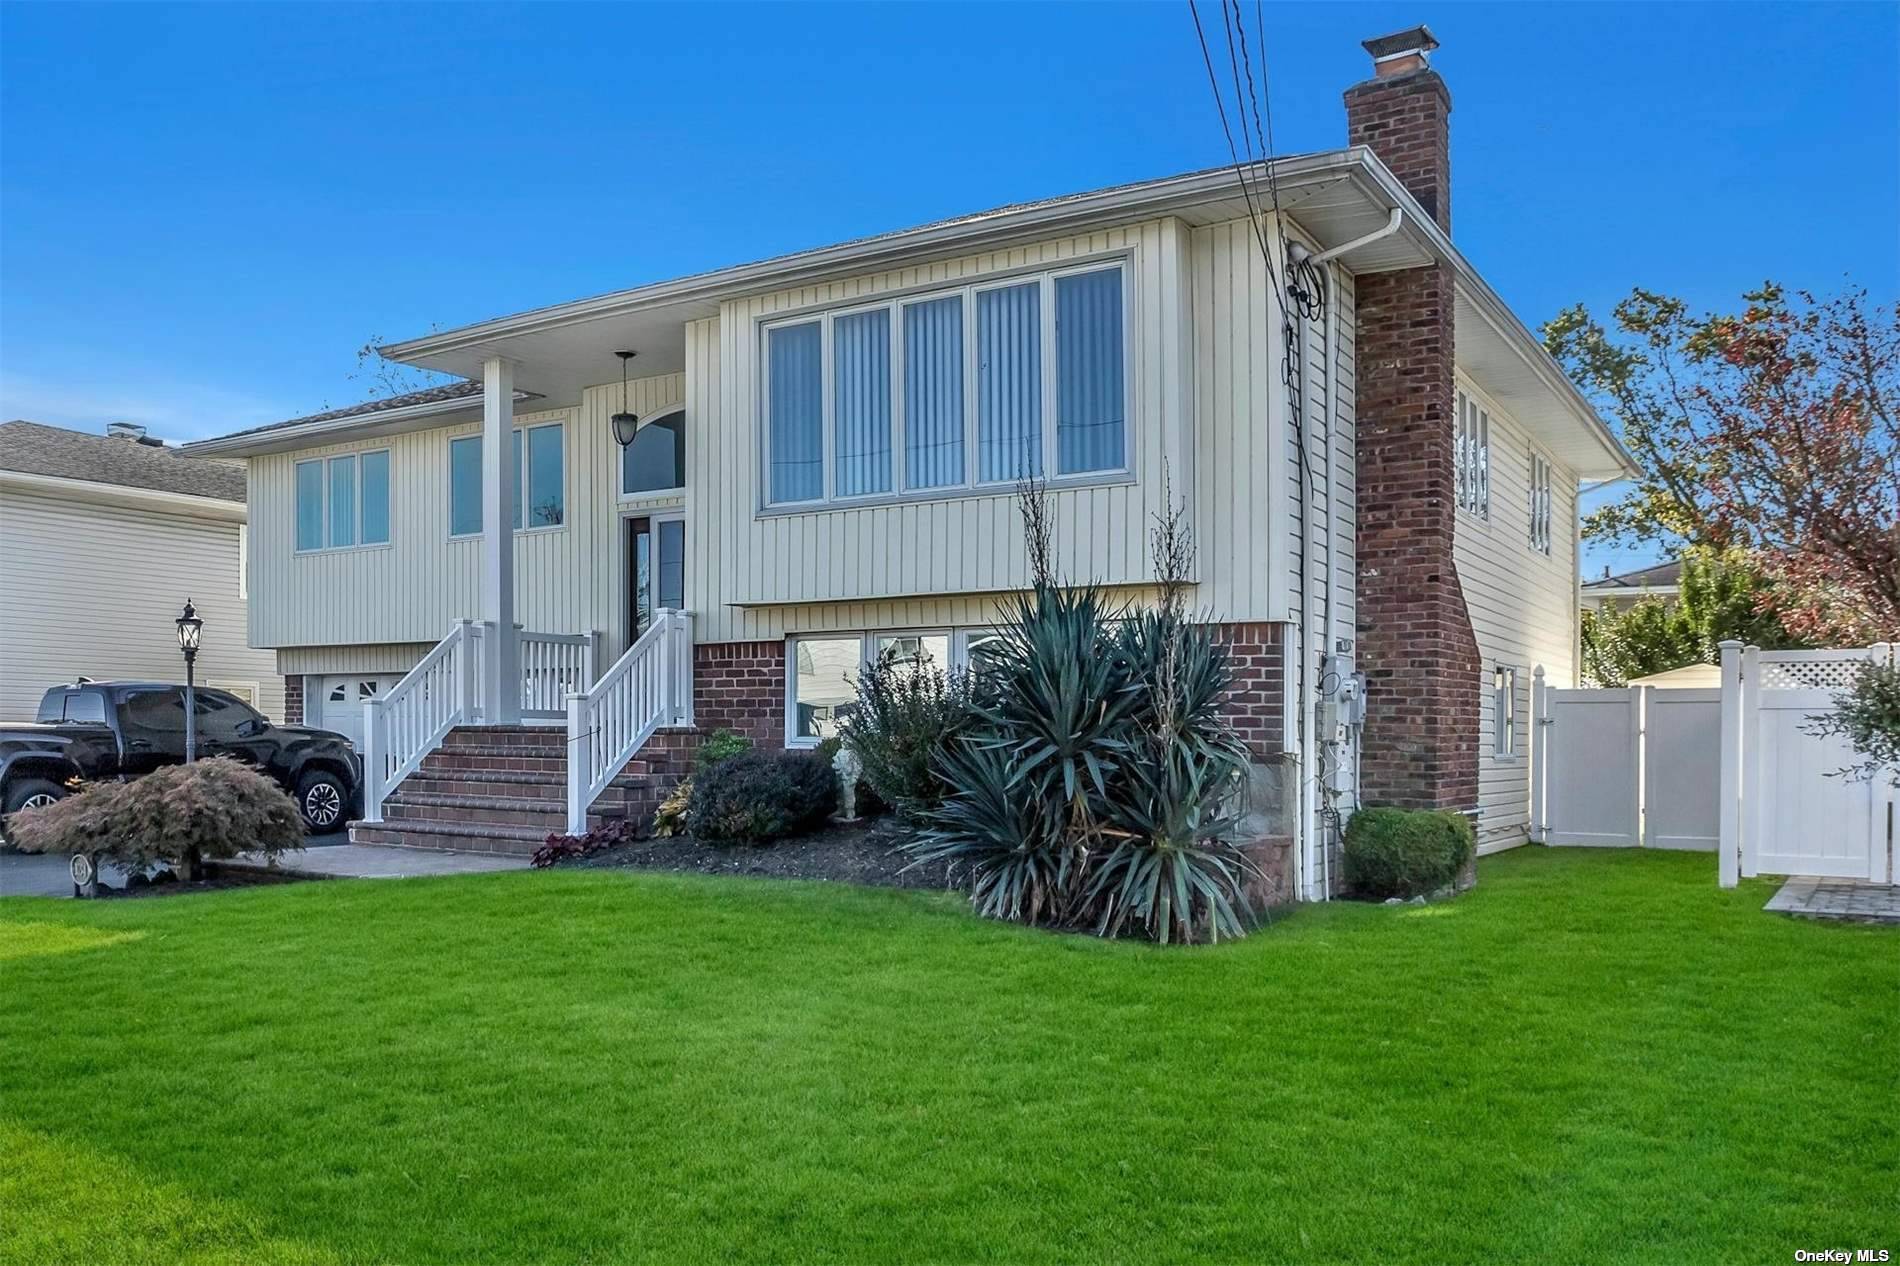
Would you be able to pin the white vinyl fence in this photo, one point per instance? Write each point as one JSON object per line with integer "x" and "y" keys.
{"x": 1737, "y": 770}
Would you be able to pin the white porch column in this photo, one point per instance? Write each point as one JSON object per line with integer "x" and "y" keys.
{"x": 501, "y": 666}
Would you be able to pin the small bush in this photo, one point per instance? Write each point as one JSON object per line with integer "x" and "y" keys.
{"x": 1405, "y": 852}
{"x": 720, "y": 745}
{"x": 760, "y": 796}
{"x": 670, "y": 818}
{"x": 599, "y": 839}
{"x": 179, "y": 816}
{"x": 906, "y": 717}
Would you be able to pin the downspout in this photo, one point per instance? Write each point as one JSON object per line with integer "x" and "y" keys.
{"x": 1385, "y": 230}
{"x": 1328, "y": 624}
{"x": 1309, "y": 668}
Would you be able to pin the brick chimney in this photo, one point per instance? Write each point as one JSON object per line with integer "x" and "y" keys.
{"x": 1416, "y": 647}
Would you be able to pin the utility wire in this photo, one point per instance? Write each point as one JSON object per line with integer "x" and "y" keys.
{"x": 1220, "y": 105}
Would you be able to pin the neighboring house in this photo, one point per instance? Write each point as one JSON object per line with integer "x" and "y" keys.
{"x": 826, "y": 463}
{"x": 1664, "y": 581}
{"x": 103, "y": 538}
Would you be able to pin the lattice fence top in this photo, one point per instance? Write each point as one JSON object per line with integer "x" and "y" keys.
{"x": 1809, "y": 674}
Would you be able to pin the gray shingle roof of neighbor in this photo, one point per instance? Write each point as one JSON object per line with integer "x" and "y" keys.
{"x": 1669, "y": 573}
{"x": 33, "y": 448}
{"x": 467, "y": 389}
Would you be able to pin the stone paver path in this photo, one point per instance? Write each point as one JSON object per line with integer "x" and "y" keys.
{"x": 1854, "y": 899}
{"x": 381, "y": 861}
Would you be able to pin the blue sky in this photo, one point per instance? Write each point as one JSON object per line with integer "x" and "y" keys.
{"x": 204, "y": 211}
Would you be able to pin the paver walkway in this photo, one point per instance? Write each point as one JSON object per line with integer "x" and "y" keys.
{"x": 1856, "y": 899}
{"x": 381, "y": 861}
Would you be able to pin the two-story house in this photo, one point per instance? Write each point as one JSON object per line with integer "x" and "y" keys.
{"x": 820, "y": 460}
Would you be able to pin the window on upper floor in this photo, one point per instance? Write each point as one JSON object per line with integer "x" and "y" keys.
{"x": 1539, "y": 497}
{"x": 539, "y": 470}
{"x": 656, "y": 460}
{"x": 1471, "y": 457}
{"x": 951, "y": 389}
{"x": 343, "y": 502}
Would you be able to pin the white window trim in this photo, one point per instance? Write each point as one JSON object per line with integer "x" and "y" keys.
{"x": 620, "y": 460}
{"x": 958, "y": 638}
{"x": 1504, "y": 747}
{"x": 355, "y": 457}
{"x": 1542, "y": 503}
{"x": 244, "y": 561}
{"x": 1471, "y": 453}
{"x": 519, "y": 429}
{"x": 971, "y": 485}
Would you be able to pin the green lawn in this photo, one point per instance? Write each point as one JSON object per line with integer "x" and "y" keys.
{"x": 1594, "y": 1057}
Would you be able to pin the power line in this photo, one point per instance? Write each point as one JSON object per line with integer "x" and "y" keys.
{"x": 1220, "y": 105}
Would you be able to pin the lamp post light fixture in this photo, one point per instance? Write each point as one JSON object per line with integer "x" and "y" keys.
{"x": 626, "y": 424}
{"x": 190, "y": 628}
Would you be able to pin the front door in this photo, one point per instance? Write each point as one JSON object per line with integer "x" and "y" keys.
{"x": 656, "y": 569}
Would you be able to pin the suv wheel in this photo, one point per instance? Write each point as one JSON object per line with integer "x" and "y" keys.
{"x": 29, "y": 793}
{"x": 322, "y": 800}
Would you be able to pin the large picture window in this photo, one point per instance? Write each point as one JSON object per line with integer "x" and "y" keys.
{"x": 343, "y": 501}
{"x": 539, "y": 466}
{"x": 980, "y": 385}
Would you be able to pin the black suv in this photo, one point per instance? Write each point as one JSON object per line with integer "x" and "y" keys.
{"x": 96, "y": 730}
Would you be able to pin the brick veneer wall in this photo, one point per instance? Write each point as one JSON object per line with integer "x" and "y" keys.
{"x": 1256, "y": 705}
{"x": 740, "y": 686}
{"x": 293, "y": 700}
{"x": 1416, "y": 647}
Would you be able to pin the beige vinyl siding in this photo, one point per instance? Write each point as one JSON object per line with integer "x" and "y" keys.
{"x": 1204, "y": 392}
{"x": 93, "y": 589}
{"x": 567, "y": 579}
{"x": 1523, "y": 611}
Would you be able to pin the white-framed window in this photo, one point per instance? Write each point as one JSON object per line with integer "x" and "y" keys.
{"x": 342, "y": 502}
{"x": 1540, "y": 504}
{"x": 821, "y": 681}
{"x": 540, "y": 479}
{"x": 981, "y": 384}
{"x": 656, "y": 460}
{"x": 1504, "y": 711}
{"x": 244, "y": 562}
{"x": 1471, "y": 456}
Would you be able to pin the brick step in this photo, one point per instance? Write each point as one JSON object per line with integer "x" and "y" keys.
{"x": 460, "y": 837}
{"x": 497, "y": 758}
{"x": 544, "y": 815}
{"x": 506, "y": 736}
{"x": 484, "y": 782}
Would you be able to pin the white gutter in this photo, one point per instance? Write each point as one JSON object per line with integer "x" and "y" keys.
{"x": 156, "y": 499}
{"x": 1391, "y": 226}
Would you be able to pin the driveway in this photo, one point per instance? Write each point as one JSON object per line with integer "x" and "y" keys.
{"x": 41, "y": 875}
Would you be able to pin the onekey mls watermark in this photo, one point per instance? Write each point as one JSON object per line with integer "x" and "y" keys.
{"x": 1846, "y": 1255}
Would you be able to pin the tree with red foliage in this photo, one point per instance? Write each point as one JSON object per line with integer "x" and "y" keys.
{"x": 1775, "y": 433}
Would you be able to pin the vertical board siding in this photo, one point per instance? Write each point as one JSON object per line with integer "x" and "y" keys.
{"x": 1523, "y": 610}
{"x": 1206, "y": 426}
{"x": 92, "y": 590}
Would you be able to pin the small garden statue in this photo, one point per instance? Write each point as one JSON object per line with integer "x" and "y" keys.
{"x": 850, "y": 769}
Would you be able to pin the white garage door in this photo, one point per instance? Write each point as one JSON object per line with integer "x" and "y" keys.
{"x": 340, "y": 702}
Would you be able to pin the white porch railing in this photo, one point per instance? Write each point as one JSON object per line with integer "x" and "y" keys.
{"x": 442, "y": 691}
{"x": 553, "y": 666}
{"x": 648, "y": 687}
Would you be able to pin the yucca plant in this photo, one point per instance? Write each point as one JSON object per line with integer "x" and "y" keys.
{"x": 1022, "y": 866}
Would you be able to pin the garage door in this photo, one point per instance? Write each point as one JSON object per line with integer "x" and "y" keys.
{"x": 341, "y": 700}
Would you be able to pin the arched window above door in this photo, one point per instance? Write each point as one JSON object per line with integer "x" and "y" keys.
{"x": 656, "y": 460}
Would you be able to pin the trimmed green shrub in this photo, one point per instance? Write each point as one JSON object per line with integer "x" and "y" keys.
{"x": 907, "y": 714}
{"x": 760, "y": 796}
{"x": 1405, "y": 852}
{"x": 177, "y": 816}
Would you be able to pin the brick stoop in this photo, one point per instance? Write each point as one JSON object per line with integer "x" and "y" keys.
{"x": 503, "y": 789}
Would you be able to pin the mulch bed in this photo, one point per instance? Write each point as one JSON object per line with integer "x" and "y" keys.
{"x": 839, "y": 854}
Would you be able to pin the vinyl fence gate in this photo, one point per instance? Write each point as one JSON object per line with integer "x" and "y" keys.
{"x": 1736, "y": 770}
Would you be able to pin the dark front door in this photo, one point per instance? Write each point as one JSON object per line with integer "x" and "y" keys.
{"x": 656, "y": 569}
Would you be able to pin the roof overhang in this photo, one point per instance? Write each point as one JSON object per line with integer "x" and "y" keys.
{"x": 359, "y": 426}
{"x": 1338, "y": 198}
{"x": 154, "y": 499}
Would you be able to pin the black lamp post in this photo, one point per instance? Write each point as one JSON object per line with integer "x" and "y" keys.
{"x": 626, "y": 424}
{"x": 189, "y": 629}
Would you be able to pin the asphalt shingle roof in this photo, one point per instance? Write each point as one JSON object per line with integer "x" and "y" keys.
{"x": 467, "y": 389}
{"x": 35, "y": 449}
{"x": 1669, "y": 573}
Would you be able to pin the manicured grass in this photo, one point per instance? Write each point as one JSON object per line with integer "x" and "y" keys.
{"x": 1593, "y": 1057}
